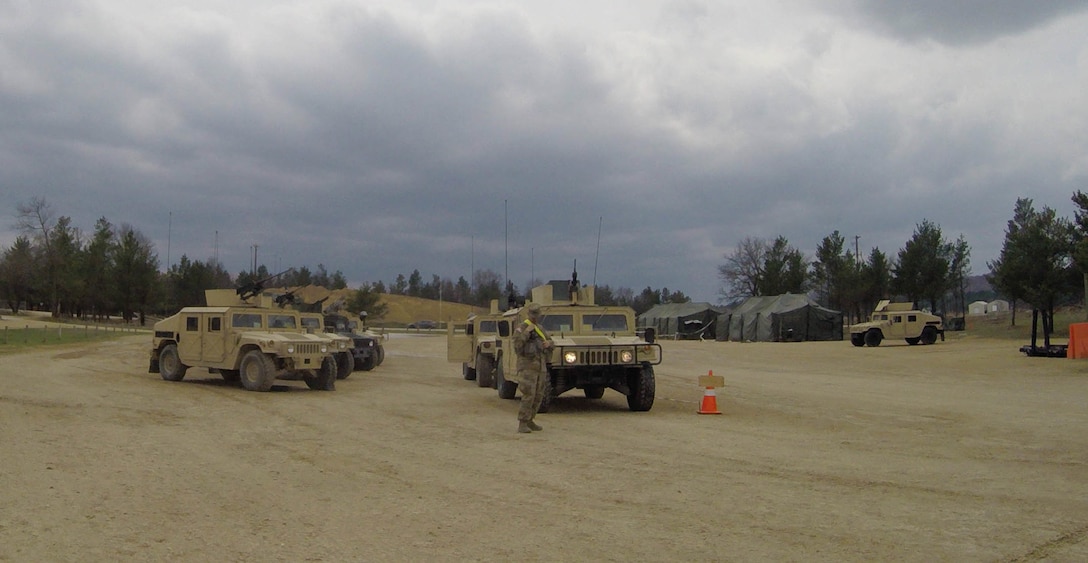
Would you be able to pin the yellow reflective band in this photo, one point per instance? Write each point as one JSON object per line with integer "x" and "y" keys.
{"x": 537, "y": 329}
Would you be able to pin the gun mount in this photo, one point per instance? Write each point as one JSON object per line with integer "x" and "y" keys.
{"x": 254, "y": 288}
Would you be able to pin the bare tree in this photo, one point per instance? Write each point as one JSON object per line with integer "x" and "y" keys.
{"x": 35, "y": 219}
{"x": 743, "y": 269}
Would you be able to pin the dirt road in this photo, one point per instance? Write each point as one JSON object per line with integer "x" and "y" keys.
{"x": 825, "y": 452}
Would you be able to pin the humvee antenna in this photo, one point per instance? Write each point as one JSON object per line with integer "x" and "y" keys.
{"x": 595, "y": 258}
{"x": 506, "y": 247}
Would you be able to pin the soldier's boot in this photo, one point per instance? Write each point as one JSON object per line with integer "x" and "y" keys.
{"x": 523, "y": 427}
{"x": 534, "y": 426}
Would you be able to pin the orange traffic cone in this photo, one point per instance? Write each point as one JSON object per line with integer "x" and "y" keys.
{"x": 710, "y": 398}
{"x": 710, "y": 402}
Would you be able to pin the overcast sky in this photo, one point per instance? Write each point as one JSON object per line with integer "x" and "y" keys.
{"x": 381, "y": 137}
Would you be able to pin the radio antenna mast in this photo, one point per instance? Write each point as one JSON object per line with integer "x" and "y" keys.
{"x": 595, "y": 258}
{"x": 506, "y": 247}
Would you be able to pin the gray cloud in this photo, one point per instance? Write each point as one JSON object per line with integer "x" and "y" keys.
{"x": 962, "y": 22}
{"x": 380, "y": 140}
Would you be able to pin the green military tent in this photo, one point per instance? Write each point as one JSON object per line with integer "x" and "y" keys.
{"x": 779, "y": 318}
{"x": 681, "y": 321}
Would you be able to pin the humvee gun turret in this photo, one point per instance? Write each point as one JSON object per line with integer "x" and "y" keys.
{"x": 243, "y": 337}
{"x": 897, "y": 320}
{"x": 596, "y": 348}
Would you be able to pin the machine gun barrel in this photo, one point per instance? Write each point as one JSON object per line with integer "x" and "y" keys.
{"x": 254, "y": 288}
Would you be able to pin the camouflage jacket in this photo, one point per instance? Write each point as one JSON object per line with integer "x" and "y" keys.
{"x": 529, "y": 342}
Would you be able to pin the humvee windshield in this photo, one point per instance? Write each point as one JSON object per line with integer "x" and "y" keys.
{"x": 311, "y": 322}
{"x": 557, "y": 322}
{"x": 488, "y": 326}
{"x": 281, "y": 321}
{"x": 246, "y": 320}
{"x": 607, "y": 322}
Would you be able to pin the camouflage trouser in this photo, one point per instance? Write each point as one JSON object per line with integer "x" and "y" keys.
{"x": 531, "y": 383}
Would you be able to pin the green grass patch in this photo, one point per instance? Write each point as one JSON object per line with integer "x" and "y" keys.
{"x": 20, "y": 339}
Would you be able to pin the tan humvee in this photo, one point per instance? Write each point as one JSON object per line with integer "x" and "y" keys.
{"x": 248, "y": 341}
{"x": 479, "y": 340}
{"x": 596, "y": 348}
{"x": 897, "y": 320}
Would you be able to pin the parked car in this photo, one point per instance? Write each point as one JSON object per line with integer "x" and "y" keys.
{"x": 423, "y": 324}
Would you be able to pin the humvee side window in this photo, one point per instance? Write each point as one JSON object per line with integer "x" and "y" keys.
{"x": 246, "y": 320}
{"x": 192, "y": 324}
{"x": 215, "y": 324}
{"x": 604, "y": 322}
{"x": 281, "y": 321}
{"x": 897, "y": 318}
{"x": 557, "y": 322}
{"x": 912, "y": 318}
{"x": 504, "y": 328}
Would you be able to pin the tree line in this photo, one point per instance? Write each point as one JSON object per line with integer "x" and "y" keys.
{"x": 1043, "y": 263}
{"x": 928, "y": 271}
{"x": 487, "y": 285}
{"x": 115, "y": 271}
{"x": 1044, "y": 259}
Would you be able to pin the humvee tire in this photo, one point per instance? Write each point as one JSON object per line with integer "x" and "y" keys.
{"x": 369, "y": 363}
{"x": 643, "y": 387}
{"x": 323, "y": 378}
{"x": 857, "y": 339}
{"x": 594, "y": 392}
{"x": 170, "y": 366}
{"x": 256, "y": 371}
{"x": 507, "y": 389}
{"x": 873, "y": 337}
{"x": 929, "y": 335}
{"x": 912, "y": 341}
{"x": 468, "y": 373}
{"x": 484, "y": 370}
{"x": 345, "y": 364}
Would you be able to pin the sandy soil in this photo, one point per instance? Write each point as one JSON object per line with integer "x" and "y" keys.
{"x": 962, "y": 451}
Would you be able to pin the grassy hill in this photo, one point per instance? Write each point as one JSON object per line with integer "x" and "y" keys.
{"x": 401, "y": 309}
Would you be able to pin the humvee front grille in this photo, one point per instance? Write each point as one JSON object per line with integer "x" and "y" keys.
{"x": 599, "y": 357}
{"x": 308, "y": 348}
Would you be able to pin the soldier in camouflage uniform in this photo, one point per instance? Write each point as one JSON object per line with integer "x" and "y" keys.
{"x": 531, "y": 344}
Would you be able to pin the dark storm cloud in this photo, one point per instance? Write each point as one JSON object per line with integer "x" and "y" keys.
{"x": 960, "y": 22}
{"x": 379, "y": 140}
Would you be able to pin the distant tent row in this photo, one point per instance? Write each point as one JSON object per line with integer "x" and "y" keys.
{"x": 682, "y": 321}
{"x": 779, "y": 318}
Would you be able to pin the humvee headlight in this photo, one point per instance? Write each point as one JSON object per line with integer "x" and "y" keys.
{"x": 290, "y": 348}
{"x": 324, "y": 348}
{"x": 570, "y": 358}
{"x": 341, "y": 345}
{"x": 626, "y": 356}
